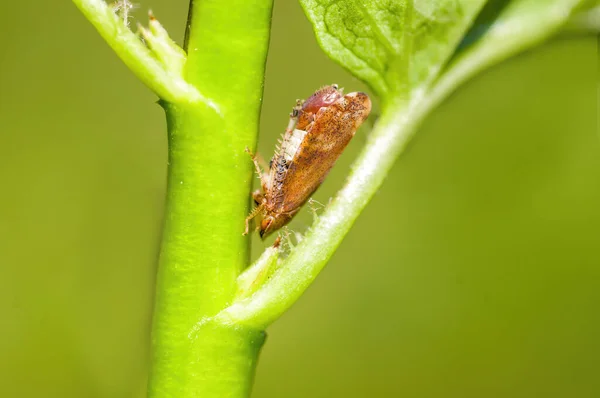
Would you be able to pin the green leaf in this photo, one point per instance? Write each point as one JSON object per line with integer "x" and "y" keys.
{"x": 396, "y": 46}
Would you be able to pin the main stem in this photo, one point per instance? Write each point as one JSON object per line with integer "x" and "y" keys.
{"x": 209, "y": 179}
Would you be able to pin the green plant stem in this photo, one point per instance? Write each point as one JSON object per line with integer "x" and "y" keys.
{"x": 210, "y": 176}
{"x": 585, "y": 21}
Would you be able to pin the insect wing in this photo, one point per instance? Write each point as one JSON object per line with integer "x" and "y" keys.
{"x": 325, "y": 139}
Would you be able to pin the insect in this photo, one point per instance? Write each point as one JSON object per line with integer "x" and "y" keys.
{"x": 318, "y": 131}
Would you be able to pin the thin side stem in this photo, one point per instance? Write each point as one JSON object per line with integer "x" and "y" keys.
{"x": 586, "y": 21}
{"x": 136, "y": 55}
{"x": 309, "y": 257}
{"x": 390, "y": 136}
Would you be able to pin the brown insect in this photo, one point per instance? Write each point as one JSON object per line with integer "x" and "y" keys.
{"x": 318, "y": 131}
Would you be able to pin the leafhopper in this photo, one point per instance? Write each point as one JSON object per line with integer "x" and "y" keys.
{"x": 318, "y": 131}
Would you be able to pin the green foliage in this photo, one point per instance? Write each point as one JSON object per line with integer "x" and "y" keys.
{"x": 395, "y": 46}
{"x": 210, "y": 315}
{"x": 399, "y": 47}
{"x": 413, "y": 65}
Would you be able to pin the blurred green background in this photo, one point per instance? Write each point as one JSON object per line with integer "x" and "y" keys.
{"x": 474, "y": 272}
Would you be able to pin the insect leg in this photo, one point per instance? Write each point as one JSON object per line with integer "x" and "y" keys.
{"x": 256, "y": 211}
{"x": 260, "y": 165}
{"x": 296, "y": 110}
{"x": 294, "y": 116}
